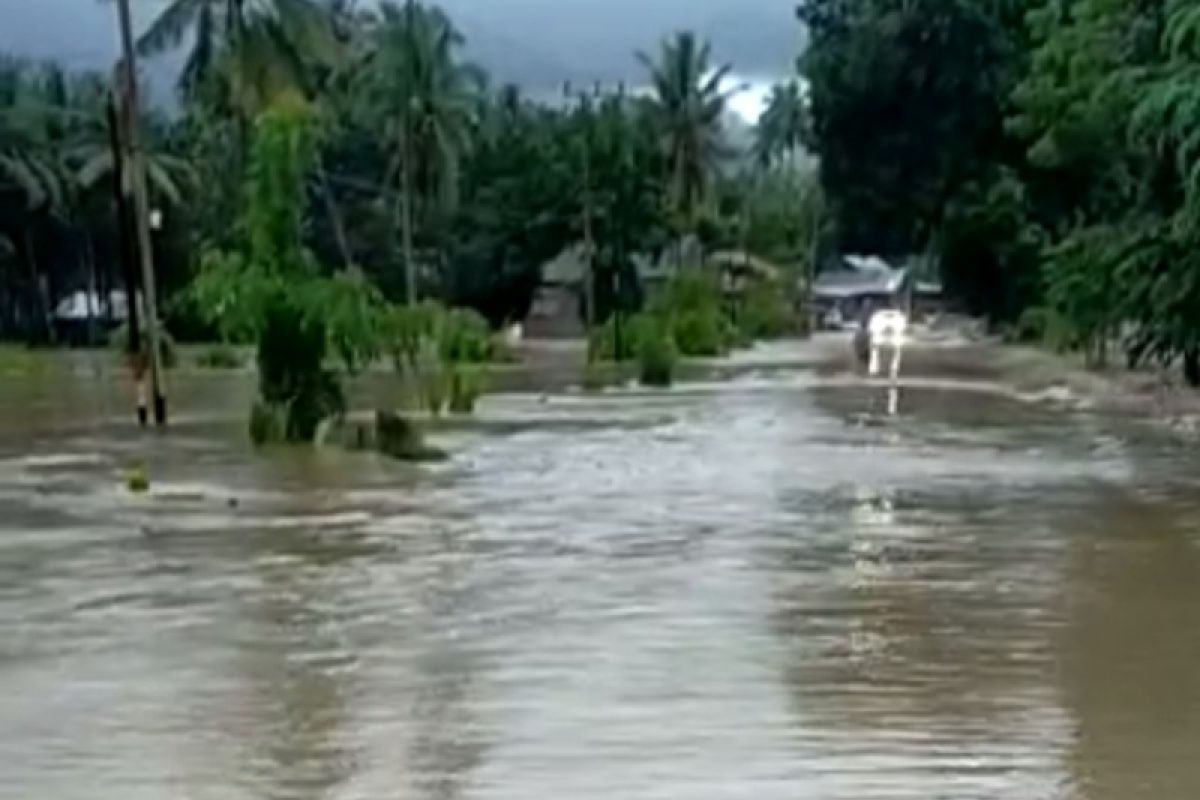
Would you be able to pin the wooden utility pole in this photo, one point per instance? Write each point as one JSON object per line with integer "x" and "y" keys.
{"x": 128, "y": 249}
{"x": 589, "y": 243}
{"x": 136, "y": 174}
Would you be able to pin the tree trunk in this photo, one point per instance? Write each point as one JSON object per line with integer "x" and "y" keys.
{"x": 406, "y": 230}
{"x": 93, "y": 295}
{"x": 40, "y": 289}
{"x": 335, "y": 218}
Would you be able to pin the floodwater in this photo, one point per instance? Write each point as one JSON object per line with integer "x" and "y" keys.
{"x": 762, "y": 587}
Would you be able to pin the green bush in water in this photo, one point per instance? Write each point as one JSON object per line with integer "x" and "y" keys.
{"x": 292, "y": 377}
{"x": 693, "y": 289}
{"x": 656, "y": 355}
{"x": 1044, "y": 326}
{"x": 702, "y": 332}
{"x": 464, "y": 390}
{"x": 464, "y": 337}
{"x": 267, "y": 423}
{"x": 137, "y": 480}
{"x": 765, "y": 312}
{"x": 617, "y": 339}
{"x": 691, "y": 308}
{"x": 431, "y": 378}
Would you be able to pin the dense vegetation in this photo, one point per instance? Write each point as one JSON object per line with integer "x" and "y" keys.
{"x": 423, "y": 177}
{"x": 332, "y": 180}
{"x": 1047, "y": 151}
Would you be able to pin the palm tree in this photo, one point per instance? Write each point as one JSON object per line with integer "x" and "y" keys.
{"x": 686, "y": 109}
{"x": 414, "y": 77}
{"x": 781, "y": 129}
{"x": 254, "y": 48}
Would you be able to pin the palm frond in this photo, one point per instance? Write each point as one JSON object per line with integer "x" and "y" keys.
{"x": 170, "y": 27}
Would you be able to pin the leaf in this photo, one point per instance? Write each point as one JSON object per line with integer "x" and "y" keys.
{"x": 169, "y": 27}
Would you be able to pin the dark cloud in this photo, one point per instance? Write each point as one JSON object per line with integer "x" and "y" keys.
{"x": 536, "y": 43}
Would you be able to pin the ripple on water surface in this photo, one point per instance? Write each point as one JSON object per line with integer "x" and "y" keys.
{"x": 769, "y": 588}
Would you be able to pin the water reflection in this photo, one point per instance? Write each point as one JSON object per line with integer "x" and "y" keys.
{"x": 888, "y": 656}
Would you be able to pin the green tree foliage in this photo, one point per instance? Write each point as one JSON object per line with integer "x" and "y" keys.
{"x": 411, "y": 170}
{"x": 688, "y": 103}
{"x": 907, "y": 106}
{"x": 243, "y": 53}
{"x": 271, "y": 291}
{"x": 783, "y": 128}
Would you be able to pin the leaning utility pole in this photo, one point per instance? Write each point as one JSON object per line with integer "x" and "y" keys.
{"x": 136, "y": 174}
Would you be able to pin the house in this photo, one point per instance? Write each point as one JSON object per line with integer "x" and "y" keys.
{"x": 84, "y": 316}
{"x": 557, "y": 310}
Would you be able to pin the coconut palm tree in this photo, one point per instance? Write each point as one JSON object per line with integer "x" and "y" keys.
{"x": 413, "y": 76}
{"x": 781, "y": 129}
{"x": 687, "y": 106}
{"x": 255, "y": 48}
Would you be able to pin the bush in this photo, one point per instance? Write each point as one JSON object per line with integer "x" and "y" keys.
{"x": 656, "y": 355}
{"x": 701, "y": 332}
{"x": 465, "y": 388}
{"x": 1044, "y": 326}
{"x": 693, "y": 289}
{"x": 464, "y": 337}
{"x": 266, "y": 423}
{"x": 291, "y": 353}
{"x": 691, "y": 310}
{"x": 431, "y": 378}
{"x": 407, "y": 327}
{"x": 765, "y": 312}
{"x": 605, "y": 345}
{"x": 221, "y": 356}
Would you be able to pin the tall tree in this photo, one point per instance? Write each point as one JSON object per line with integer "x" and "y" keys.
{"x": 688, "y": 102}
{"x": 243, "y": 51}
{"x": 907, "y": 104}
{"x": 425, "y": 95}
{"x": 782, "y": 129}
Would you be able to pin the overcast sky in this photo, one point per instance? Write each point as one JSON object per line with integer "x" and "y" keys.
{"x": 536, "y": 43}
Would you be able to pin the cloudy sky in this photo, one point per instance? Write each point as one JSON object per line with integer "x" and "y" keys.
{"x": 536, "y": 43}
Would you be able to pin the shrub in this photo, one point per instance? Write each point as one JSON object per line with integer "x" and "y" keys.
{"x": 1045, "y": 326}
{"x": 701, "y": 332}
{"x": 693, "y": 289}
{"x": 604, "y": 344}
{"x": 407, "y": 327}
{"x": 432, "y": 344}
{"x": 464, "y": 337}
{"x": 431, "y": 379}
{"x": 656, "y": 355}
{"x": 465, "y": 388}
{"x": 765, "y": 312}
{"x": 291, "y": 375}
{"x": 266, "y": 423}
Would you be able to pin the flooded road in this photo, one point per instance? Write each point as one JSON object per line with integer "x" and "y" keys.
{"x": 761, "y": 588}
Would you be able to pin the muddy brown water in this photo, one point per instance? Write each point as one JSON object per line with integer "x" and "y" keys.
{"x": 759, "y": 587}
